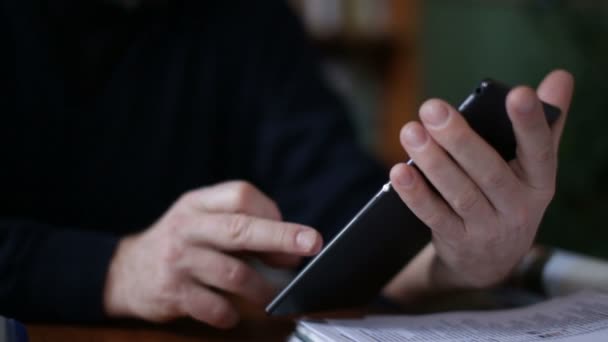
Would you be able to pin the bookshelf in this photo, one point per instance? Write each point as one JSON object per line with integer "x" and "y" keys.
{"x": 371, "y": 47}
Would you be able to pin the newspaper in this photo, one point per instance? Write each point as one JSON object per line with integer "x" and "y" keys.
{"x": 579, "y": 317}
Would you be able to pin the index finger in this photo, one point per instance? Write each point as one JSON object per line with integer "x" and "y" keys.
{"x": 233, "y": 197}
{"x": 238, "y": 232}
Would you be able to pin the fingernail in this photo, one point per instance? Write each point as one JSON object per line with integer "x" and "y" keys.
{"x": 434, "y": 113}
{"x": 306, "y": 240}
{"x": 415, "y": 136}
{"x": 526, "y": 105}
{"x": 405, "y": 179}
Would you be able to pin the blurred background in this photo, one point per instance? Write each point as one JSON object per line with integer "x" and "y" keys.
{"x": 386, "y": 56}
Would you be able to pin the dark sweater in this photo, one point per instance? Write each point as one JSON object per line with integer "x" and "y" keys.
{"x": 108, "y": 115}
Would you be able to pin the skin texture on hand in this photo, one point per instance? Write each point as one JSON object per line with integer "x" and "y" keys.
{"x": 186, "y": 263}
{"x": 487, "y": 212}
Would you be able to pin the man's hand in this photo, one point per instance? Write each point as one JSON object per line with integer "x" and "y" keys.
{"x": 182, "y": 265}
{"x": 488, "y": 211}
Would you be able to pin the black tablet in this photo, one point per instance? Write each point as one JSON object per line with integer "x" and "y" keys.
{"x": 379, "y": 241}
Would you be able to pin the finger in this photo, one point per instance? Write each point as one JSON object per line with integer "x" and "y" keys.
{"x": 485, "y": 167}
{"x": 238, "y": 232}
{"x": 536, "y": 154}
{"x": 280, "y": 260}
{"x": 557, "y": 89}
{"x": 234, "y": 197}
{"x": 459, "y": 191}
{"x": 206, "y": 306}
{"x": 425, "y": 203}
{"x": 228, "y": 274}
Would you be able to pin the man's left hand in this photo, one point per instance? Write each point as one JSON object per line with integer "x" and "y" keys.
{"x": 487, "y": 211}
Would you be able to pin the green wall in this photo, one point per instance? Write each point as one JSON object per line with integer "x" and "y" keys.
{"x": 465, "y": 41}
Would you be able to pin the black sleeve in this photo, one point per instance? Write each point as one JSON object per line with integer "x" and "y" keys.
{"x": 46, "y": 273}
{"x": 306, "y": 155}
{"x": 52, "y": 274}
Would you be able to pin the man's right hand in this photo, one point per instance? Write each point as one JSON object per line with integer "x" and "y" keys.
{"x": 184, "y": 264}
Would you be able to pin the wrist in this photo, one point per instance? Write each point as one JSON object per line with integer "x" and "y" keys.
{"x": 115, "y": 298}
{"x": 426, "y": 275}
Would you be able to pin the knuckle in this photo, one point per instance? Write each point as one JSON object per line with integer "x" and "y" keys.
{"x": 242, "y": 195}
{"x": 412, "y": 201}
{"x": 466, "y": 202}
{"x": 188, "y": 197}
{"x": 417, "y": 198}
{"x": 237, "y": 274}
{"x": 546, "y": 195}
{"x": 494, "y": 180}
{"x": 243, "y": 187}
{"x": 175, "y": 223}
{"x": 173, "y": 252}
{"x": 544, "y": 155}
{"x": 434, "y": 219}
{"x": 543, "y": 195}
{"x": 169, "y": 289}
{"x": 285, "y": 238}
{"x": 238, "y": 229}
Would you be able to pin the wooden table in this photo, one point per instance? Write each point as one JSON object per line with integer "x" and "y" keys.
{"x": 250, "y": 329}
{"x": 255, "y": 325}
